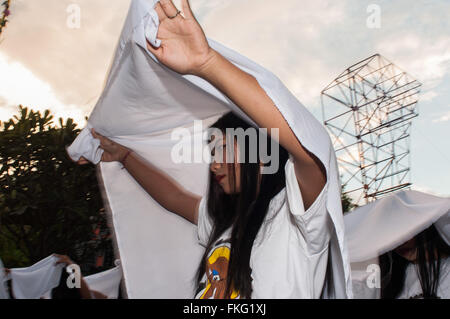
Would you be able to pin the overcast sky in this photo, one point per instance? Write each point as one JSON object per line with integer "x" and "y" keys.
{"x": 305, "y": 43}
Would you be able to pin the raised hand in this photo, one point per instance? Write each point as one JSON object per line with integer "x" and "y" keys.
{"x": 112, "y": 151}
{"x": 63, "y": 259}
{"x": 184, "y": 47}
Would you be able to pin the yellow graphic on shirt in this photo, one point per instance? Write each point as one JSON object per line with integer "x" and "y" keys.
{"x": 216, "y": 271}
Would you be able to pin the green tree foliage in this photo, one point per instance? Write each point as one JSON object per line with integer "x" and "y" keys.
{"x": 48, "y": 204}
{"x": 347, "y": 204}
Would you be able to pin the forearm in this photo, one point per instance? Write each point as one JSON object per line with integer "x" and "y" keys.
{"x": 161, "y": 187}
{"x": 244, "y": 90}
{"x": 84, "y": 290}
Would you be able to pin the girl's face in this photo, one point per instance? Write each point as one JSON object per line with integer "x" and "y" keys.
{"x": 408, "y": 250}
{"x": 220, "y": 170}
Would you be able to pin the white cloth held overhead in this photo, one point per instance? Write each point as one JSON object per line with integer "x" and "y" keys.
{"x": 34, "y": 281}
{"x": 142, "y": 102}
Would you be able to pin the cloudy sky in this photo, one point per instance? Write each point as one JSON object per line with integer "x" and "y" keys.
{"x": 51, "y": 62}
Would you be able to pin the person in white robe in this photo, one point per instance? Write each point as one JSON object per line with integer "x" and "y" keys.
{"x": 399, "y": 247}
{"x": 165, "y": 75}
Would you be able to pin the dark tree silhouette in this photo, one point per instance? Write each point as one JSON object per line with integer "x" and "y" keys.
{"x": 347, "y": 204}
{"x": 48, "y": 204}
{"x": 4, "y": 15}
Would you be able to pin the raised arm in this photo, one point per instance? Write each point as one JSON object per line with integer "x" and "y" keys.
{"x": 164, "y": 189}
{"x": 245, "y": 92}
{"x": 184, "y": 49}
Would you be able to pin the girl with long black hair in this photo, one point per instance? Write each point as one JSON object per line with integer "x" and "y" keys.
{"x": 266, "y": 235}
{"x": 419, "y": 268}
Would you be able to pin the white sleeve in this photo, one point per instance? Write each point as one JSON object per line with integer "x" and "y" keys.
{"x": 204, "y": 224}
{"x": 315, "y": 223}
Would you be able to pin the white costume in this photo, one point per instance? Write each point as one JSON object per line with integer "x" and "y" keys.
{"x": 289, "y": 257}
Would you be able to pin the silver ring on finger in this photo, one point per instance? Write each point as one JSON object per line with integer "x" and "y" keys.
{"x": 176, "y": 15}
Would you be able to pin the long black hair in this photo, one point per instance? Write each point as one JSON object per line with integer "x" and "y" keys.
{"x": 244, "y": 211}
{"x": 430, "y": 249}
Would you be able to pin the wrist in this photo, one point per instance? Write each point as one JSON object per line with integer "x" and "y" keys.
{"x": 208, "y": 66}
{"x": 125, "y": 156}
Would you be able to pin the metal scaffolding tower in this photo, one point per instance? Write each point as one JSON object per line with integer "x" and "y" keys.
{"x": 368, "y": 111}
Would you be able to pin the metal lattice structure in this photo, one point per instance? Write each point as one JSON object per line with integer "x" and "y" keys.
{"x": 368, "y": 110}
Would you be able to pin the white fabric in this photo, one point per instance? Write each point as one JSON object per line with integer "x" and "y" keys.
{"x": 443, "y": 227}
{"x": 140, "y": 105}
{"x": 47, "y": 295}
{"x": 387, "y": 223}
{"x": 34, "y": 281}
{"x": 3, "y": 278}
{"x": 290, "y": 253}
{"x": 106, "y": 282}
{"x": 366, "y": 279}
{"x": 412, "y": 288}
